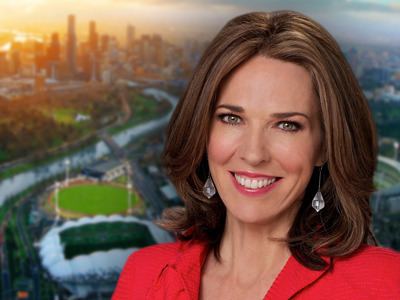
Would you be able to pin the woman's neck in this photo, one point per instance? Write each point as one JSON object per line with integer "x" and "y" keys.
{"x": 248, "y": 250}
{"x": 250, "y": 261}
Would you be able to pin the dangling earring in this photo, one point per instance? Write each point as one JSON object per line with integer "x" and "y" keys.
{"x": 318, "y": 202}
{"x": 209, "y": 188}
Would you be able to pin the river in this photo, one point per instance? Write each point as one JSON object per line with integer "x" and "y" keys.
{"x": 22, "y": 181}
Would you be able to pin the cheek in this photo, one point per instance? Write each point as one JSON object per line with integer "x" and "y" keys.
{"x": 222, "y": 144}
{"x": 295, "y": 153}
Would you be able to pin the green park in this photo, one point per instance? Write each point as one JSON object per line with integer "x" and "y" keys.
{"x": 94, "y": 199}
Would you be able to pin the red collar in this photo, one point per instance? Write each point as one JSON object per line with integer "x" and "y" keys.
{"x": 191, "y": 255}
{"x": 188, "y": 264}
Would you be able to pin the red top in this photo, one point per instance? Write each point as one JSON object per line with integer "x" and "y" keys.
{"x": 173, "y": 271}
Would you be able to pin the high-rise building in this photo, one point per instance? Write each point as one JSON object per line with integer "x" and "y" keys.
{"x": 95, "y": 70}
{"x": 40, "y": 55}
{"x": 3, "y": 64}
{"x": 53, "y": 51}
{"x": 130, "y": 37}
{"x": 104, "y": 43}
{"x": 92, "y": 56}
{"x": 16, "y": 57}
{"x": 93, "y": 37}
{"x": 53, "y": 56}
{"x": 71, "y": 45}
{"x": 158, "y": 45}
{"x": 145, "y": 50}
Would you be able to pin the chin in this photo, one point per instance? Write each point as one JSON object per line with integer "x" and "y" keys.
{"x": 251, "y": 216}
{"x": 261, "y": 214}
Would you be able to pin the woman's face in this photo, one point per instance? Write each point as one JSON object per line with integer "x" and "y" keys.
{"x": 265, "y": 140}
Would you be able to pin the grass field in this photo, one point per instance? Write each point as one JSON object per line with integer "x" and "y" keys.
{"x": 64, "y": 115}
{"x": 93, "y": 199}
{"x": 144, "y": 108}
{"x": 104, "y": 236}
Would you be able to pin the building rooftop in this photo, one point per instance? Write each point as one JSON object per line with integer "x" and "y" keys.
{"x": 104, "y": 166}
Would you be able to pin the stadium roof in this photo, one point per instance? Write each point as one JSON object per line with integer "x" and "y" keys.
{"x": 100, "y": 264}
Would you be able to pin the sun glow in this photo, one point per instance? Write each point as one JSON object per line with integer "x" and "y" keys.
{"x": 23, "y": 37}
{"x": 5, "y": 48}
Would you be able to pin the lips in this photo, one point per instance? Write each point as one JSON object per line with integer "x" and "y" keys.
{"x": 252, "y": 184}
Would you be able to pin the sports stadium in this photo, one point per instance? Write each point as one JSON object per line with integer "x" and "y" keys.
{"x": 86, "y": 253}
{"x": 76, "y": 263}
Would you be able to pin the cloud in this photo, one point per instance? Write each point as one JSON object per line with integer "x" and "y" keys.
{"x": 392, "y": 7}
{"x": 191, "y": 17}
{"x": 312, "y": 6}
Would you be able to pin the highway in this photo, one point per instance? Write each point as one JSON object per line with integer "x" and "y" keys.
{"x": 34, "y": 265}
{"x": 6, "y": 290}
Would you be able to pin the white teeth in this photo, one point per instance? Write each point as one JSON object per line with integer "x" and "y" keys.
{"x": 254, "y": 183}
{"x": 247, "y": 183}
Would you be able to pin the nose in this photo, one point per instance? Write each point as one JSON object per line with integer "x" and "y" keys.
{"x": 254, "y": 149}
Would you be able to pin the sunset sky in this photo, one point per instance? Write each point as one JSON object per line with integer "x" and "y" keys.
{"x": 361, "y": 21}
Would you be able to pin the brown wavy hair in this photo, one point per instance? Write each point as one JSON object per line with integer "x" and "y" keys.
{"x": 349, "y": 137}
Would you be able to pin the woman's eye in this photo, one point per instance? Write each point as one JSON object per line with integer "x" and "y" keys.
{"x": 230, "y": 119}
{"x": 289, "y": 126}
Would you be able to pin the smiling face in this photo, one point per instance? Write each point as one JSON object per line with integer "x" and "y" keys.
{"x": 264, "y": 141}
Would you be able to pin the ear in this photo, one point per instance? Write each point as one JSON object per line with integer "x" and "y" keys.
{"x": 322, "y": 157}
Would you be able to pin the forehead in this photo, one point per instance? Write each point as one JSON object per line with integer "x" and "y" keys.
{"x": 271, "y": 84}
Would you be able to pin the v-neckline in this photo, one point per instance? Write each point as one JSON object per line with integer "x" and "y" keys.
{"x": 291, "y": 279}
{"x": 275, "y": 281}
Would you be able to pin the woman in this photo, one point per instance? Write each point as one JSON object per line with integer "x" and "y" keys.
{"x": 273, "y": 150}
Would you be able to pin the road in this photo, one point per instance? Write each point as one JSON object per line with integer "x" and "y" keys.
{"x": 139, "y": 179}
{"x": 148, "y": 191}
{"x": 34, "y": 265}
{"x": 6, "y": 290}
{"x": 391, "y": 162}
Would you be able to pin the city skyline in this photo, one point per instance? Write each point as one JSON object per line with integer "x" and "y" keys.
{"x": 358, "y": 21}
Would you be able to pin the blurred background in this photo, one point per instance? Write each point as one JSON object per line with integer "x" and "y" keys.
{"x": 86, "y": 90}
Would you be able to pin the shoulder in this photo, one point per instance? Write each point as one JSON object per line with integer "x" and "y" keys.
{"x": 373, "y": 271}
{"x": 142, "y": 268}
{"x": 150, "y": 259}
{"x": 369, "y": 273}
{"x": 372, "y": 259}
{"x": 155, "y": 255}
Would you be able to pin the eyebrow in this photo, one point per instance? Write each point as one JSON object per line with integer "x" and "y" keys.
{"x": 281, "y": 115}
{"x": 234, "y": 108}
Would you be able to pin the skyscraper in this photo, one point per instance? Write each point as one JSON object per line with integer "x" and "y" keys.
{"x": 145, "y": 50}
{"x": 3, "y": 64}
{"x": 92, "y": 56}
{"x": 158, "y": 45}
{"x": 53, "y": 56}
{"x": 16, "y": 57}
{"x": 130, "y": 37}
{"x": 53, "y": 51}
{"x": 71, "y": 45}
{"x": 93, "y": 37}
{"x": 105, "y": 39}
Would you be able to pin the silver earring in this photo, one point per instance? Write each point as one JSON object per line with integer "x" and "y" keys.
{"x": 318, "y": 202}
{"x": 209, "y": 188}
